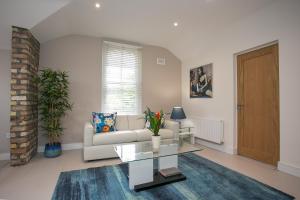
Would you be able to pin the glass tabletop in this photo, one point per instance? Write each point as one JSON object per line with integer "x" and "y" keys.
{"x": 144, "y": 150}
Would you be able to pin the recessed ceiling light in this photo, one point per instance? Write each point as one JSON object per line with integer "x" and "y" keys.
{"x": 175, "y": 24}
{"x": 97, "y": 5}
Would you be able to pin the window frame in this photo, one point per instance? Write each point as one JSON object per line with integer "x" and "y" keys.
{"x": 138, "y": 84}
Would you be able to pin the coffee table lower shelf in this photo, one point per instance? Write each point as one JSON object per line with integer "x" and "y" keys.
{"x": 159, "y": 180}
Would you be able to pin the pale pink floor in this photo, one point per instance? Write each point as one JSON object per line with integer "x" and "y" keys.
{"x": 37, "y": 179}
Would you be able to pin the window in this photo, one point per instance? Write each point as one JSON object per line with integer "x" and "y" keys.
{"x": 121, "y": 78}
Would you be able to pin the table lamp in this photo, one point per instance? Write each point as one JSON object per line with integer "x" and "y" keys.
{"x": 178, "y": 114}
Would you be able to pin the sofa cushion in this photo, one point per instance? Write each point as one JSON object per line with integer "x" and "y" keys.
{"x": 146, "y": 134}
{"x": 136, "y": 122}
{"x": 122, "y": 123}
{"x": 116, "y": 137}
{"x": 143, "y": 134}
{"x": 166, "y": 133}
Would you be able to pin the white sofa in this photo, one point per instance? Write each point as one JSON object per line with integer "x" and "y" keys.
{"x": 130, "y": 129}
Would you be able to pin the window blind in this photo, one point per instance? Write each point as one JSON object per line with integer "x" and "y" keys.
{"x": 121, "y": 78}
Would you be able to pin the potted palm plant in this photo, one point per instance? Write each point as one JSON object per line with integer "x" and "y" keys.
{"x": 53, "y": 102}
{"x": 154, "y": 121}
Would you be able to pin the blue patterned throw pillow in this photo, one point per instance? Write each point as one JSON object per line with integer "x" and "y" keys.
{"x": 104, "y": 122}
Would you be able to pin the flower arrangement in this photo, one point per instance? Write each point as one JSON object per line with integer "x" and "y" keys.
{"x": 154, "y": 120}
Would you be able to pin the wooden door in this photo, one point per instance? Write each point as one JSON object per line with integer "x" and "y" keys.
{"x": 258, "y": 104}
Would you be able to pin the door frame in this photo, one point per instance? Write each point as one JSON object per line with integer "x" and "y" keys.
{"x": 235, "y": 111}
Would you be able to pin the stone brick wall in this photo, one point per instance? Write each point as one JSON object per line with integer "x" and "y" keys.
{"x": 24, "y": 110}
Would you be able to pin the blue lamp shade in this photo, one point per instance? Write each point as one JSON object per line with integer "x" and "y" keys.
{"x": 178, "y": 113}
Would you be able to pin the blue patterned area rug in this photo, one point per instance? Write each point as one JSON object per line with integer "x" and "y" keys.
{"x": 206, "y": 180}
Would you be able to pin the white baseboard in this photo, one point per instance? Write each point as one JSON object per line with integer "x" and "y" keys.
{"x": 219, "y": 147}
{"x": 288, "y": 168}
{"x": 4, "y": 156}
{"x": 65, "y": 147}
{"x": 234, "y": 150}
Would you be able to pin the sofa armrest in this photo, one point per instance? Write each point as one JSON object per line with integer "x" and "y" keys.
{"x": 174, "y": 126}
{"x": 88, "y": 134}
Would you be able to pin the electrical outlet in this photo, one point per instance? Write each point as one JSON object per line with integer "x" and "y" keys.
{"x": 7, "y": 135}
{"x": 161, "y": 61}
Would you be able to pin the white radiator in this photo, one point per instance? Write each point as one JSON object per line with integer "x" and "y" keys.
{"x": 209, "y": 130}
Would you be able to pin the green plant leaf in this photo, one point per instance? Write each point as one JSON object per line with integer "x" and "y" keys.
{"x": 53, "y": 101}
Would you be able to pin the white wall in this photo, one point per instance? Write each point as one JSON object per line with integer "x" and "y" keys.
{"x": 81, "y": 57}
{"x": 4, "y": 99}
{"x": 280, "y": 21}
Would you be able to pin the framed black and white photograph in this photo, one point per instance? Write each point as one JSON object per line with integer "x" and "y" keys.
{"x": 201, "y": 81}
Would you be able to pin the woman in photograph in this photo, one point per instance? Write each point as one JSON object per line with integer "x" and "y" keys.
{"x": 193, "y": 83}
{"x": 203, "y": 85}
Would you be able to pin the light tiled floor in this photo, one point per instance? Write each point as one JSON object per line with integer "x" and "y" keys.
{"x": 37, "y": 179}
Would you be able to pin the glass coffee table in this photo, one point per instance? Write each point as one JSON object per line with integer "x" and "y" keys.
{"x": 141, "y": 160}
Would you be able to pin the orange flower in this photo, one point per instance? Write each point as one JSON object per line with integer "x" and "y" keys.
{"x": 105, "y": 128}
{"x": 157, "y": 115}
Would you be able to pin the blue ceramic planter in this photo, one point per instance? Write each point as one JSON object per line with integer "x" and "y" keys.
{"x": 52, "y": 151}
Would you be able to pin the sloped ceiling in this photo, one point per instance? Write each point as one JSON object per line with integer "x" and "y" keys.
{"x": 24, "y": 13}
{"x": 145, "y": 21}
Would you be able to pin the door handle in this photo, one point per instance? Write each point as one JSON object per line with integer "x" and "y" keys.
{"x": 240, "y": 106}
